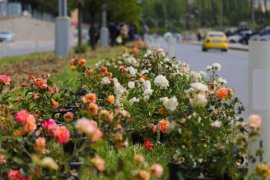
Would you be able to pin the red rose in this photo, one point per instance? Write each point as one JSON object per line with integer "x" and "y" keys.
{"x": 148, "y": 145}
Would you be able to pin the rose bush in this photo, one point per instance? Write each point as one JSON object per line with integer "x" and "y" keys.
{"x": 46, "y": 130}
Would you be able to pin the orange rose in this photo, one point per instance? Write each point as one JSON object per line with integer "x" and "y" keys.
{"x": 110, "y": 99}
{"x": 82, "y": 62}
{"x": 54, "y": 104}
{"x": 89, "y": 98}
{"x": 40, "y": 144}
{"x": 103, "y": 69}
{"x": 143, "y": 77}
{"x": 90, "y": 72}
{"x": 93, "y": 108}
{"x": 222, "y": 93}
{"x": 68, "y": 116}
{"x": 134, "y": 51}
{"x": 30, "y": 123}
{"x": 164, "y": 126}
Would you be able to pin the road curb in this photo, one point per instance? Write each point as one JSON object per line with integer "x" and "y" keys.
{"x": 233, "y": 47}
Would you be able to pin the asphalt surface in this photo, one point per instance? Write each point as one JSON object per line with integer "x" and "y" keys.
{"x": 24, "y": 47}
{"x": 234, "y": 64}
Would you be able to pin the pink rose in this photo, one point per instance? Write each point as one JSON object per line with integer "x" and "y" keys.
{"x": 156, "y": 170}
{"x": 97, "y": 135}
{"x": 89, "y": 128}
{"x": 14, "y": 175}
{"x": 4, "y": 79}
{"x": 30, "y": 123}
{"x": 98, "y": 163}
{"x": 50, "y": 125}
{"x": 35, "y": 96}
{"x": 254, "y": 121}
{"x": 62, "y": 134}
{"x": 21, "y": 116}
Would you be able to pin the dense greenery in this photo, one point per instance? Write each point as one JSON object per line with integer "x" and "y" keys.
{"x": 190, "y": 14}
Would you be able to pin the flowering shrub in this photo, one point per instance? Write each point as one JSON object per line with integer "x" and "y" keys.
{"x": 45, "y": 130}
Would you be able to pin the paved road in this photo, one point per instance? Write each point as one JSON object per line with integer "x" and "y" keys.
{"x": 24, "y": 47}
{"x": 234, "y": 64}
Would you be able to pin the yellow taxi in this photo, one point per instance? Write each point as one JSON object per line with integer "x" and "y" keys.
{"x": 215, "y": 40}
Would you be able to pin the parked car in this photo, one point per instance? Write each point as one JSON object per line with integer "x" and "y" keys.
{"x": 235, "y": 38}
{"x": 263, "y": 35}
{"x": 245, "y": 39}
{"x": 6, "y": 36}
{"x": 215, "y": 40}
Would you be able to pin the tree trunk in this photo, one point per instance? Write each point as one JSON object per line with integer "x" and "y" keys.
{"x": 92, "y": 31}
{"x": 266, "y": 8}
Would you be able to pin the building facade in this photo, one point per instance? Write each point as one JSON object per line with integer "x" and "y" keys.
{"x": 10, "y": 8}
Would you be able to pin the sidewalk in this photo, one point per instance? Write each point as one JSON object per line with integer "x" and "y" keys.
{"x": 231, "y": 46}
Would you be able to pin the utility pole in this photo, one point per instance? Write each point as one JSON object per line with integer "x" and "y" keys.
{"x": 79, "y": 23}
{"x": 104, "y": 30}
{"x": 62, "y": 30}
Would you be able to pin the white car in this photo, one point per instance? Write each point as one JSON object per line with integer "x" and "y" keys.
{"x": 6, "y": 36}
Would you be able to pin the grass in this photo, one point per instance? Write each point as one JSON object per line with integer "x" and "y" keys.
{"x": 65, "y": 75}
{"x": 160, "y": 154}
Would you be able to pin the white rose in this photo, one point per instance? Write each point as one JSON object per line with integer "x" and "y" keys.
{"x": 217, "y": 66}
{"x": 133, "y": 100}
{"x": 131, "y": 84}
{"x": 216, "y": 124}
{"x": 170, "y": 104}
{"x": 161, "y": 81}
{"x": 105, "y": 81}
{"x": 199, "y": 87}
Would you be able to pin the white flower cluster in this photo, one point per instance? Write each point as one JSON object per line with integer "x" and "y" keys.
{"x": 161, "y": 81}
{"x": 148, "y": 53}
{"x": 119, "y": 90}
{"x": 222, "y": 81}
{"x": 216, "y": 124}
{"x": 215, "y": 67}
{"x": 129, "y": 60}
{"x": 133, "y": 100}
{"x": 161, "y": 52}
{"x": 147, "y": 89}
{"x": 170, "y": 103}
{"x": 198, "y": 94}
{"x": 196, "y": 76}
{"x": 145, "y": 71}
{"x": 132, "y": 71}
{"x": 105, "y": 81}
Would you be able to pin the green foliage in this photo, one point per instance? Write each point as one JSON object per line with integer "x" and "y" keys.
{"x": 81, "y": 49}
{"x": 202, "y": 13}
